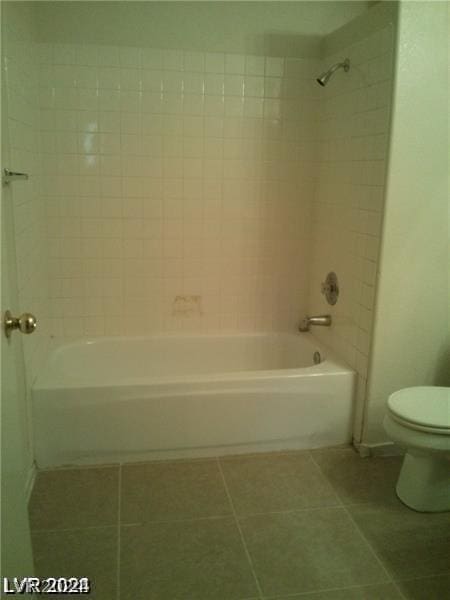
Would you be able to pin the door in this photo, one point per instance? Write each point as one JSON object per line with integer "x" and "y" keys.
{"x": 16, "y": 555}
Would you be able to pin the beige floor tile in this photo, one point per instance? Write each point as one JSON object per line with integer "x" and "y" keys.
{"x": 88, "y": 553}
{"x": 386, "y": 591}
{"x": 75, "y": 498}
{"x": 274, "y": 482}
{"x": 410, "y": 544}
{"x": 428, "y": 588}
{"x": 357, "y": 479}
{"x": 189, "y": 560}
{"x": 309, "y": 550}
{"x": 172, "y": 490}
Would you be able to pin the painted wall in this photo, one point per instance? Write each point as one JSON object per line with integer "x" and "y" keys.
{"x": 354, "y": 111}
{"x": 411, "y": 335}
{"x": 273, "y": 28}
{"x": 25, "y": 213}
{"x": 20, "y": 77}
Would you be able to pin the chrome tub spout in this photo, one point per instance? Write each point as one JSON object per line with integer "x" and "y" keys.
{"x": 321, "y": 320}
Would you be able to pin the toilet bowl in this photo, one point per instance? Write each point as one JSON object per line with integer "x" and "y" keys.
{"x": 418, "y": 419}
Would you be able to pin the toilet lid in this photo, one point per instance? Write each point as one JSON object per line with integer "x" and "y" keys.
{"x": 426, "y": 406}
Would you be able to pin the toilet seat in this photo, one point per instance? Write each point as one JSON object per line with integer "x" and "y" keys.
{"x": 424, "y": 409}
{"x": 416, "y": 427}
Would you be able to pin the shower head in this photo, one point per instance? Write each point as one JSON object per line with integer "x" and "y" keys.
{"x": 323, "y": 79}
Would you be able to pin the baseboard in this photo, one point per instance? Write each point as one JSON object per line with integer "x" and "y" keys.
{"x": 29, "y": 483}
{"x": 383, "y": 449}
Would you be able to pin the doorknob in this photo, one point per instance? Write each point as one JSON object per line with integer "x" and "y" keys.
{"x": 26, "y": 323}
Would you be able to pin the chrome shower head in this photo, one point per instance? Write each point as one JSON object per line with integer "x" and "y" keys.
{"x": 323, "y": 79}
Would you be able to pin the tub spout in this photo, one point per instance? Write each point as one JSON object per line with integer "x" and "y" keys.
{"x": 322, "y": 320}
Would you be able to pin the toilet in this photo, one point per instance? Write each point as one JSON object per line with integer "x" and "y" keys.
{"x": 418, "y": 419}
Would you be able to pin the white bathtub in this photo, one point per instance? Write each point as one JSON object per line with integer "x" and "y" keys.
{"x": 125, "y": 399}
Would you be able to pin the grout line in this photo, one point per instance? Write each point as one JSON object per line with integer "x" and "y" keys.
{"x": 249, "y": 558}
{"x": 400, "y": 579}
{"x": 186, "y": 520}
{"x": 82, "y": 528}
{"x": 395, "y": 584}
{"x": 325, "y": 590}
{"x": 79, "y": 467}
{"x": 291, "y": 510}
{"x": 325, "y": 478}
{"x": 369, "y": 545}
{"x": 119, "y": 511}
{"x": 193, "y": 519}
{"x": 360, "y": 532}
{"x": 228, "y": 515}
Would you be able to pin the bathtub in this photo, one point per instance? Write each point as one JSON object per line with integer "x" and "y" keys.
{"x": 129, "y": 399}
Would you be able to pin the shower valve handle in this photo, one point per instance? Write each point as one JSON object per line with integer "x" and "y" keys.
{"x": 327, "y": 288}
{"x": 330, "y": 288}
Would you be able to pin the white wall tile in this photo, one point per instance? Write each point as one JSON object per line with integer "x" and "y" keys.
{"x": 254, "y": 65}
{"x": 173, "y": 60}
{"x": 349, "y": 195}
{"x": 194, "y": 61}
{"x": 172, "y": 181}
{"x": 274, "y": 66}
{"x": 152, "y": 58}
{"x": 129, "y": 57}
{"x": 234, "y": 63}
{"x": 214, "y": 62}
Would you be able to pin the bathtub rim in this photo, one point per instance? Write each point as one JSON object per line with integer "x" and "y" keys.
{"x": 331, "y": 365}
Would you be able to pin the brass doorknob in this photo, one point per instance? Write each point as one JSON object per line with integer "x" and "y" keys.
{"x": 26, "y": 323}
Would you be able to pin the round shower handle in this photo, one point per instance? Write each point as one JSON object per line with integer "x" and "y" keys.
{"x": 330, "y": 288}
{"x": 26, "y": 323}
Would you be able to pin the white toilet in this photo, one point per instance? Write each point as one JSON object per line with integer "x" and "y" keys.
{"x": 418, "y": 419}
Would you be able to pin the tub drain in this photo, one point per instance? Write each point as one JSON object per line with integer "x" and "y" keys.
{"x": 317, "y": 358}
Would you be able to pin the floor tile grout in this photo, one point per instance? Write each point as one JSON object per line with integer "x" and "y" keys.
{"x": 323, "y": 475}
{"x": 249, "y": 558}
{"x": 368, "y": 544}
{"x": 230, "y": 515}
{"x": 397, "y": 581}
{"x": 288, "y": 511}
{"x": 82, "y": 528}
{"x": 392, "y": 580}
{"x": 394, "y": 583}
{"x": 401, "y": 579}
{"x": 185, "y": 520}
{"x": 78, "y": 467}
{"x": 323, "y": 590}
{"x": 360, "y": 532}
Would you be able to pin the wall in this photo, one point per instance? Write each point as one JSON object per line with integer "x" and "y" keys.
{"x": 25, "y": 211}
{"x": 348, "y": 206}
{"x": 411, "y": 335}
{"x": 173, "y": 174}
{"x": 280, "y": 28}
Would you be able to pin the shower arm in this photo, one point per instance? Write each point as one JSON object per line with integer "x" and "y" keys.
{"x": 326, "y": 75}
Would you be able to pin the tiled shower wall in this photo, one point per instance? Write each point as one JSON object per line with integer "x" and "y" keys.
{"x": 178, "y": 188}
{"x": 348, "y": 206}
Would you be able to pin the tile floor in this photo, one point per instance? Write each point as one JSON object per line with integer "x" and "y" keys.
{"x": 319, "y": 525}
